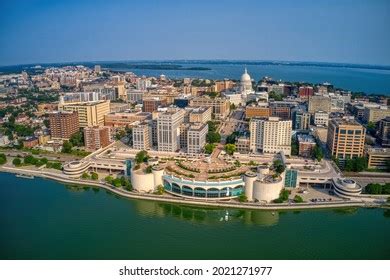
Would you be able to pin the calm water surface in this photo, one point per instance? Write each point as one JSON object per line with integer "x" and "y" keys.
{"x": 42, "y": 219}
{"x": 355, "y": 79}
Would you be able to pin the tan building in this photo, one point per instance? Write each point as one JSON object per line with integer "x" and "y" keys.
{"x": 125, "y": 119}
{"x": 196, "y": 137}
{"x": 63, "y": 124}
{"x": 306, "y": 145}
{"x": 89, "y": 113}
{"x": 222, "y": 85}
{"x": 243, "y": 145}
{"x": 375, "y": 114}
{"x": 270, "y": 136}
{"x": 346, "y": 138}
{"x": 220, "y": 106}
{"x": 42, "y": 139}
{"x": 319, "y": 103}
{"x": 200, "y": 115}
{"x": 151, "y": 104}
{"x": 142, "y": 136}
{"x": 378, "y": 158}
{"x": 96, "y": 137}
{"x": 256, "y": 111}
{"x": 168, "y": 129}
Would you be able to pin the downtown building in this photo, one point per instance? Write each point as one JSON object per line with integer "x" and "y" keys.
{"x": 270, "y": 136}
{"x": 345, "y": 138}
{"x": 142, "y": 136}
{"x": 220, "y": 106}
{"x": 63, "y": 124}
{"x": 196, "y": 138}
{"x": 168, "y": 129}
{"x": 89, "y": 113}
{"x": 96, "y": 137}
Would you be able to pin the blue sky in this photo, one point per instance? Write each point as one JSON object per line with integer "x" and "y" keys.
{"x": 63, "y": 31}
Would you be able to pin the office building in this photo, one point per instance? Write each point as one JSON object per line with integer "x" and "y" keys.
{"x": 220, "y": 106}
{"x": 89, "y": 113}
{"x": 142, "y": 136}
{"x": 281, "y": 109}
{"x": 96, "y": 137}
{"x": 259, "y": 111}
{"x": 151, "y": 104}
{"x": 375, "y": 114}
{"x": 305, "y": 92}
{"x": 321, "y": 118}
{"x": 301, "y": 120}
{"x": 270, "y": 136}
{"x": 319, "y": 103}
{"x": 345, "y": 138}
{"x": 200, "y": 115}
{"x": 168, "y": 129}
{"x": 384, "y": 132}
{"x": 378, "y": 158}
{"x": 63, "y": 124}
{"x": 196, "y": 137}
{"x": 306, "y": 145}
{"x": 125, "y": 119}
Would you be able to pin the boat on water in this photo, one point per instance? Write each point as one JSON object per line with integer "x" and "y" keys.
{"x": 25, "y": 176}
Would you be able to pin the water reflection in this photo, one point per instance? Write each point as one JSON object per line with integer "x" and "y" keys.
{"x": 210, "y": 216}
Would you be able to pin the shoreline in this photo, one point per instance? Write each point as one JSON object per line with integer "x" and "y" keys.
{"x": 179, "y": 200}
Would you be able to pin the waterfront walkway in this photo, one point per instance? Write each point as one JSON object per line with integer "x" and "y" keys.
{"x": 180, "y": 200}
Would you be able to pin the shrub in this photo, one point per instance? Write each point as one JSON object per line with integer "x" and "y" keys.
{"x": 94, "y": 176}
{"x": 17, "y": 162}
{"x": 298, "y": 199}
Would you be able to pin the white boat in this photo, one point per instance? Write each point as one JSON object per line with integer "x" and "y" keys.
{"x": 25, "y": 176}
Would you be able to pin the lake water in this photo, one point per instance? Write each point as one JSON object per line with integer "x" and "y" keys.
{"x": 43, "y": 219}
{"x": 355, "y": 79}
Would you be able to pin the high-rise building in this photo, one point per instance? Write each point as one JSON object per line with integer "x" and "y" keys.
{"x": 220, "y": 106}
{"x": 270, "y": 135}
{"x": 321, "y": 118}
{"x": 142, "y": 136}
{"x": 319, "y": 103}
{"x": 301, "y": 120}
{"x": 63, "y": 124}
{"x": 96, "y": 137}
{"x": 143, "y": 83}
{"x": 200, "y": 115}
{"x": 98, "y": 68}
{"x": 151, "y": 104}
{"x": 89, "y": 113}
{"x": 345, "y": 138}
{"x": 168, "y": 131}
{"x": 305, "y": 92}
{"x": 375, "y": 114}
{"x": 260, "y": 111}
{"x": 384, "y": 132}
{"x": 281, "y": 109}
{"x": 196, "y": 137}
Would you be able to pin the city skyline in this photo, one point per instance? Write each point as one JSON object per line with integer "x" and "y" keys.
{"x": 325, "y": 31}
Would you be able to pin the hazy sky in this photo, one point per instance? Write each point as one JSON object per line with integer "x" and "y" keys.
{"x": 352, "y": 31}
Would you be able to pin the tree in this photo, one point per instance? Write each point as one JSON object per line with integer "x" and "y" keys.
{"x": 318, "y": 154}
{"x": 212, "y": 126}
{"x": 116, "y": 182}
{"x": 109, "y": 179}
{"x": 30, "y": 160}
{"x": 298, "y": 199}
{"x": 242, "y": 198}
{"x": 3, "y": 158}
{"x": 213, "y": 137}
{"x": 77, "y": 139}
{"x": 373, "y": 188}
{"x": 279, "y": 166}
{"x": 275, "y": 96}
{"x": 294, "y": 147}
{"x": 208, "y": 148}
{"x": 348, "y": 165}
{"x": 94, "y": 176}
{"x": 17, "y": 162}
{"x": 85, "y": 175}
{"x": 360, "y": 164}
{"x": 231, "y": 139}
{"x": 230, "y": 149}
{"x": 67, "y": 147}
{"x": 141, "y": 156}
{"x": 284, "y": 195}
{"x": 148, "y": 169}
{"x": 160, "y": 190}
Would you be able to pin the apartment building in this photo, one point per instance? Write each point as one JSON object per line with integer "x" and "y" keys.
{"x": 63, "y": 124}
{"x": 96, "y": 137}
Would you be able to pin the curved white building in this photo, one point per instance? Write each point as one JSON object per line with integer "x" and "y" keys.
{"x": 346, "y": 188}
{"x": 203, "y": 189}
{"x": 147, "y": 182}
{"x": 267, "y": 189}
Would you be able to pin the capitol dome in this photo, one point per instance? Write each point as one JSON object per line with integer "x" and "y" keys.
{"x": 245, "y": 77}
{"x": 246, "y": 83}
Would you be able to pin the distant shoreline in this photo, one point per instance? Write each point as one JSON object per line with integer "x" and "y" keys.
{"x": 178, "y": 64}
{"x": 179, "y": 200}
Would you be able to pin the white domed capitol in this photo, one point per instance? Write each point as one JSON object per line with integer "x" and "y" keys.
{"x": 246, "y": 82}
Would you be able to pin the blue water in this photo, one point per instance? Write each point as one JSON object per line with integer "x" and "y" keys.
{"x": 354, "y": 79}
